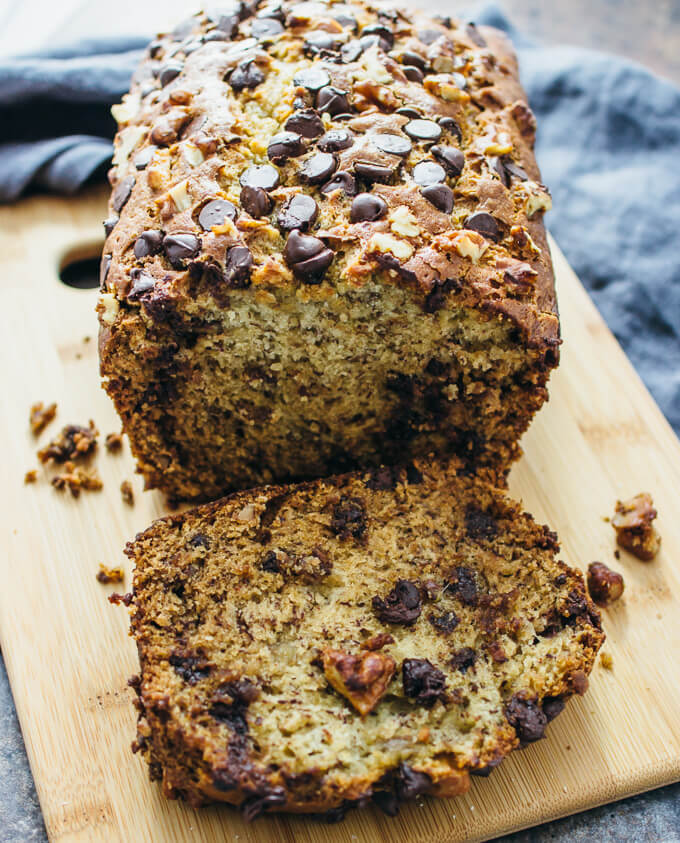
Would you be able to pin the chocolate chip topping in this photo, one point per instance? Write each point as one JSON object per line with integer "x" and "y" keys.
{"x": 148, "y": 243}
{"x": 367, "y": 207}
{"x": 320, "y": 42}
{"x": 426, "y": 173}
{"x": 449, "y": 157}
{"x": 346, "y": 20}
{"x": 384, "y": 34}
{"x": 169, "y": 71}
{"x": 308, "y": 257}
{"x": 285, "y": 145}
{"x": 256, "y": 201}
{"x": 392, "y": 144}
{"x": 180, "y": 247}
{"x": 300, "y": 212}
{"x": 440, "y": 196}
{"x": 381, "y": 173}
{"x": 260, "y": 175}
{"x": 246, "y": 75}
{"x": 266, "y": 27}
{"x": 318, "y": 168}
{"x": 216, "y": 212}
{"x": 526, "y": 718}
{"x": 402, "y": 605}
{"x": 332, "y": 100}
{"x": 484, "y": 224}
{"x": 110, "y": 224}
{"x": 423, "y": 682}
{"x": 237, "y": 266}
{"x": 420, "y": 129}
{"x": 413, "y": 74}
{"x": 142, "y": 283}
{"x": 121, "y": 193}
{"x": 305, "y": 122}
{"x": 143, "y": 158}
{"x": 342, "y": 180}
{"x": 450, "y": 125}
{"x": 335, "y": 140}
{"x": 351, "y": 51}
{"x": 552, "y": 706}
{"x": 312, "y": 78}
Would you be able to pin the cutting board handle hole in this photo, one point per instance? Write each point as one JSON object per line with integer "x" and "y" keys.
{"x": 79, "y": 266}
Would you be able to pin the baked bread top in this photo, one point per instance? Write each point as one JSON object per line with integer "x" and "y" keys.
{"x": 316, "y": 146}
{"x": 378, "y": 635}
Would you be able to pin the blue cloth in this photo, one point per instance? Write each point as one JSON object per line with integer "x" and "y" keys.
{"x": 608, "y": 146}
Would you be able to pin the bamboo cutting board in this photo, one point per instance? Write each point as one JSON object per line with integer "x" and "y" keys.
{"x": 600, "y": 438}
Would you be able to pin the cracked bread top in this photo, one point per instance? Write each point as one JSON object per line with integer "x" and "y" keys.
{"x": 314, "y": 146}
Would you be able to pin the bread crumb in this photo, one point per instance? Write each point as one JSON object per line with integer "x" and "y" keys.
{"x": 40, "y": 416}
{"x": 606, "y": 661}
{"x": 31, "y": 476}
{"x": 109, "y": 575}
{"x": 633, "y": 524}
{"x": 127, "y": 493}
{"x": 76, "y": 479}
{"x": 113, "y": 442}
{"x": 73, "y": 442}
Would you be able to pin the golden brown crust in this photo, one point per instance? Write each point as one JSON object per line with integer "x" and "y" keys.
{"x": 242, "y": 606}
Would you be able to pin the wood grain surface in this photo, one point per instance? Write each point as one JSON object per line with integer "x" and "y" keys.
{"x": 68, "y": 656}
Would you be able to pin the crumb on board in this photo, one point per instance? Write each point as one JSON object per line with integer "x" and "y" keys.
{"x": 634, "y": 529}
{"x": 108, "y": 575}
{"x": 76, "y": 479}
{"x": 40, "y": 416}
{"x": 113, "y": 442}
{"x": 73, "y": 442}
{"x": 117, "y": 599}
{"x": 127, "y": 493}
{"x": 617, "y": 554}
{"x": 87, "y": 339}
{"x": 605, "y": 586}
{"x": 31, "y": 476}
{"x": 606, "y": 661}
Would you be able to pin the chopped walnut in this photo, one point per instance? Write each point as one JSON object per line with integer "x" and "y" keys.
{"x": 362, "y": 679}
{"x": 114, "y": 442}
{"x": 76, "y": 479}
{"x": 41, "y": 416}
{"x": 606, "y": 661}
{"x": 377, "y": 642}
{"x": 633, "y": 525}
{"x": 31, "y": 476}
{"x": 72, "y": 443}
{"x": 127, "y": 493}
{"x": 109, "y": 575}
{"x": 604, "y": 585}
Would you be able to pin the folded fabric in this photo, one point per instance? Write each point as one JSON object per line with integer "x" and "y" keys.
{"x": 608, "y": 145}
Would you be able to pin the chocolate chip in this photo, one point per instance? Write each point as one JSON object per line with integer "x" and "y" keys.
{"x": 463, "y": 659}
{"x": 265, "y": 28}
{"x": 480, "y": 524}
{"x": 110, "y": 224}
{"x": 272, "y": 10}
{"x": 342, "y": 180}
{"x": 300, "y": 212}
{"x": 393, "y": 144}
{"x": 190, "y": 668}
{"x": 413, "y": 59}
{"x": 409, "y": 112}
{"x": 367, "y": 207}
{"x": 485, "y": 224}
{"x": 260, "y": 175}
{"x": 256, "y": 201}
{"x": 371, "y": 172}
{"x": 346, "y": 20}
{"x": 237, "y": 266}
{"x": 526, "y": 718}
{"x": 446, "y": 622}
{"x": 413, "y": 74}
{"x": 440, "y": 196}
{"x": 181, "y": 247}
{"x": 335, "y": 140}
{"x": 487, "y": 769}
{"x": 332, "y": 100}
{"x": 312, "y": 78}
{"x": 246, "y": 75}
{"x": 142, "y": 283}
{"x": 426, "y": 173}
{"x": 474, "y": 35}
{"x": 423, "y": 130}
{"x": 409, "y": 783}
{"x": 349, "y": 518}
{"x": 450, "y": 125}
{"x": 463, "y": 584}
{"x": 143, "y": 158}
{"x": 308, "y": 257}
{"x": 226, "y": 19}
{"x": 552, "y": 706}
{"x": 255, "y": 806}
{"x": 351, "y": 51}
{"x": 402, "y": 605}
{"x": 169, "y": 72}
{"x": 216, "y": 212}
{"x": 318, "y": 168}
{"x": 306, "y": 123}
{"x": 423, "y": 682}
{"x": 385, "y": 34}
{"x": 148, "y": 243}
{"x": 429, "y": 36}
{"x": 507, "y": 170}
{"x": 449, "y": 157}
{"x": 285, "y": 145}
{"x": 320, "y": 42}
{"x": 387, "y": 801}
{"x": 121, "y": 193}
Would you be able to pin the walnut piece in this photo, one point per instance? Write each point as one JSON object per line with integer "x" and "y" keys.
{"x": 75, "y": 479}
{"x": 604, "y": 585}
{"x": 113, "y": 442}
{"x": 127, "y": 493}
{"x": 108, "y": 575}
{"x": 41, "y": 416}
{"x": 362, "y": 679}
{"x": 72, "y": 443}
{"x": 633, "y": 525}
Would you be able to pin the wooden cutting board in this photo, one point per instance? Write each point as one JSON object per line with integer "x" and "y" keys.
{"x": 601, "y": 437}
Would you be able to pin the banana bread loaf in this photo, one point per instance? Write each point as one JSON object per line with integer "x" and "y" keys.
{"x": 376, "y": 635}
{"x": 325, "y": 248}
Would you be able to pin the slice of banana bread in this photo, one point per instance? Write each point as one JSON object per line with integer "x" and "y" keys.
{"x": 378, "y": 635}
{"x": 325, "y": 249}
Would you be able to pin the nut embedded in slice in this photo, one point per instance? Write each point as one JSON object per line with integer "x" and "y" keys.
{"x": 362, "y": 678}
